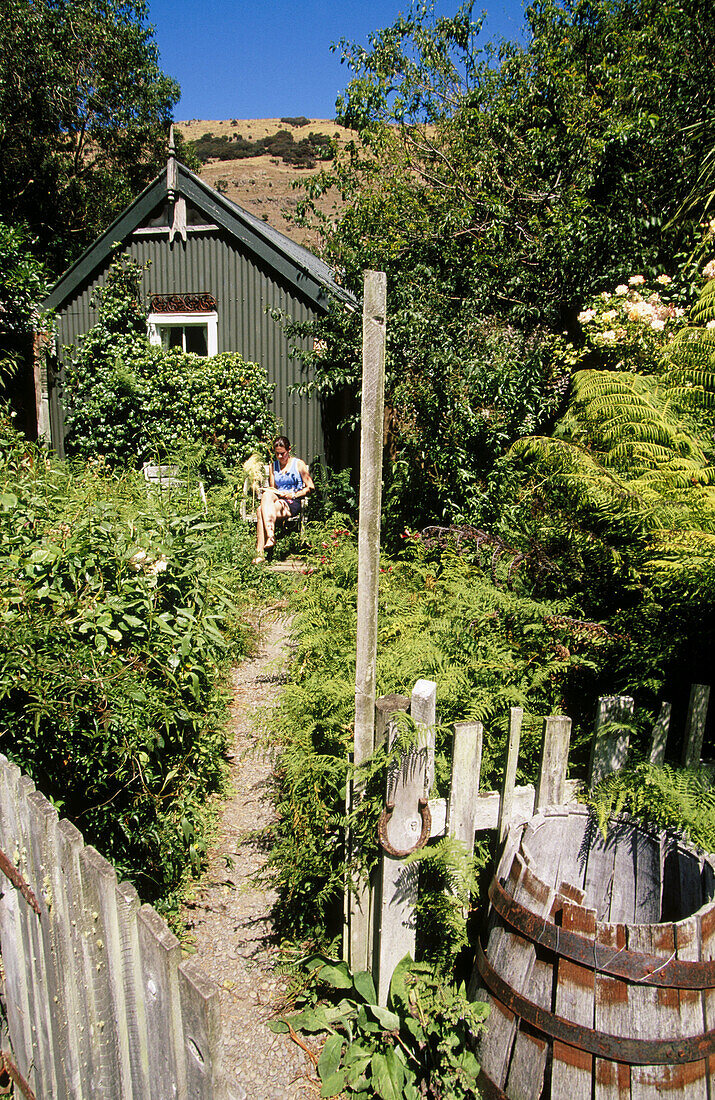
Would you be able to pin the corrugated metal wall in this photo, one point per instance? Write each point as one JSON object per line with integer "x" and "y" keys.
{"x": 244, "y": 288}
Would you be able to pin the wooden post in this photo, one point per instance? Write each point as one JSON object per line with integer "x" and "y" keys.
{"x": 372, "y": 413}
{"x": 554, "y": 760}
{"x": 466, "y": 768}
{"x": 609, "y": 747}
{"x": 406, "y": 785}
{"x": 695, "y": 726}
{"x": 659, "y": 737}
{"x": 516, "y": 716}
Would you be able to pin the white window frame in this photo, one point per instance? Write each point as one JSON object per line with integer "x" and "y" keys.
{"x": 158, "y": 321}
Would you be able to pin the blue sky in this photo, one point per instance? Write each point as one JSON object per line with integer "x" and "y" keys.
{"x": 253, "y": 59}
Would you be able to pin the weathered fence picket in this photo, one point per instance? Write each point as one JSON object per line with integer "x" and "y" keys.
{"x": 408, "y": 785}
{"x": 99, "y": 1004}
{"x": 695, "y": 726}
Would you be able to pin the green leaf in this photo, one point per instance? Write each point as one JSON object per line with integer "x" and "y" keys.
{"x": 335, "y": 974}
{"x": 399, "y": 994}
{"x": 333, "y": 1085}
{"x": 468, "y": 1063}
{"x": 365, "y": 986}
{"x": 311, "y": 1019}
{"x": 389, "y": 1020}
{"x": 280, "y": 1027}
{"x": 330, "y": 1057}
{"x": 388, "y": 1075}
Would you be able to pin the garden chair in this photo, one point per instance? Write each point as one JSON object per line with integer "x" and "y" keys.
{"x": 166, "y": 477}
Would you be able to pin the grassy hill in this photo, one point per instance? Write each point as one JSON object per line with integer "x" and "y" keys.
{"x": 257, "y": 162}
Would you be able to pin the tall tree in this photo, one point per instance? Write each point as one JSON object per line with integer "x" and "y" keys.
{"x": 500, "y": 189}
{"x": 84, "y": 112}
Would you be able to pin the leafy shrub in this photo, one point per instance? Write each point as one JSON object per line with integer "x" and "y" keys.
{"x": 299, "y": 154}
{"x": 129, "y": 401}
{"x": 301, "y": 120}
{"x": 416, "y": 1047}
{"x": 118, "y": 625}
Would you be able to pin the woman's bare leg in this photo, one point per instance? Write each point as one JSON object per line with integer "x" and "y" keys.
{"x": 272, "y": 509}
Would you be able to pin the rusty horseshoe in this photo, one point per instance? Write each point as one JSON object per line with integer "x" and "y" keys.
{"x": 421, "y": 840}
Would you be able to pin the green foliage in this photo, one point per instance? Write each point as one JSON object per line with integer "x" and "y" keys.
{"x": 499, "y": 190}
{"x": 445, "y": 616}
{"x": 130, "y": 401}
{"x": 682, "y": 799}
{"x": 84, "y": 113}
{"x": 449, "y": 887}
{"x": 419, "y": 1046}
{"x": 119, "y": 624}
{"x": 22, "y": 284}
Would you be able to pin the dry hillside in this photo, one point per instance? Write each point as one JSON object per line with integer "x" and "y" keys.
{"x": 264, "y": 185}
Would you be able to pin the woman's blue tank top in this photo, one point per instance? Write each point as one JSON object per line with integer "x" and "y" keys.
{"x": 288, "y": 479}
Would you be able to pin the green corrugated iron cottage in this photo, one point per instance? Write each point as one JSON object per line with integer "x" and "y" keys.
{"x": 212, "y": 274}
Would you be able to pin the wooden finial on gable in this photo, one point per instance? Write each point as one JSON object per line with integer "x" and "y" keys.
{"x": 171, "y": 166}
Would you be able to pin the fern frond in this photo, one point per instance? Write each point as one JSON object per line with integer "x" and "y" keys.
{"x": 704, "y": 309}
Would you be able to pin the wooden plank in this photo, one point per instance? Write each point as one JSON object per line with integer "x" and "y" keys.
{"x": 70, "y": 845}
{"x": 99, "y": 960}
{"x": 509, "y": 954}
{"x": 706, "y": 920}
{"x": 373, "y": 392}
{"x": 514, "y": 959}
{"x": 648, "y": 877}
{"x": 105, "y": 944}
{"x": 553, "y": 844}
{"x": 572, "y": 1069}
{"x": 42, "y": 1074}
{"x": 527, "y": 1067}
{"x": 71, "y": 1083}
{"x": 12, "y": 921}
{"x": 612, "y": 1080}
{"x": 466, "y": 769}
{"x": 56, "y": 957}
{"x": 362, "y": 902}
{"x": 203, "y": 1037}
{"x": 652, "y": 1012}
{"x": 530, "y": 1054}
{"x": 516, "y": 717}
{"x": 554, "y": 761}
{"x": 127, "y": 906}
{"x": 408, "y": 781}
{"x": 609, "y": 747}
{"x": 695, "y": 724}
{"x": 600, "y": 870}
{"x": 693, "y": 1077}
{"x": 623, "y": 895}
{"x": 160, "y": 956}
{"x": 659, "y": 737}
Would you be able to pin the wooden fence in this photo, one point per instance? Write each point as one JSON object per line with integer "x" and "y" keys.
{"x": 99, "y": 1005}
{"x": 380, "y": 919}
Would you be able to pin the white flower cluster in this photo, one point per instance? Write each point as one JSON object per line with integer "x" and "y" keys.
{"x": 650, "y": 312}
{"x": 151, "y": 567}
{"x": 709, "y": 270}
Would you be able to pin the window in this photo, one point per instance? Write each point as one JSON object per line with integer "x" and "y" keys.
{"x": 193, "y": 332}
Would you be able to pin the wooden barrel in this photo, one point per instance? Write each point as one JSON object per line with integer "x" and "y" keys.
{"x": 599, "y": 964}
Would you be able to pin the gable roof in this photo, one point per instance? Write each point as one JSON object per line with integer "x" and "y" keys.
{"x": 298, "y": 265}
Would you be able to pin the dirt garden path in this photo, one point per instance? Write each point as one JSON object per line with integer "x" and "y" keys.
{"x": 229, "y": 917}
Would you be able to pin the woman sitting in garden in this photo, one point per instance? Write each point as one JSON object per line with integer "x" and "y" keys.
{"x": 289, "y": 483}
